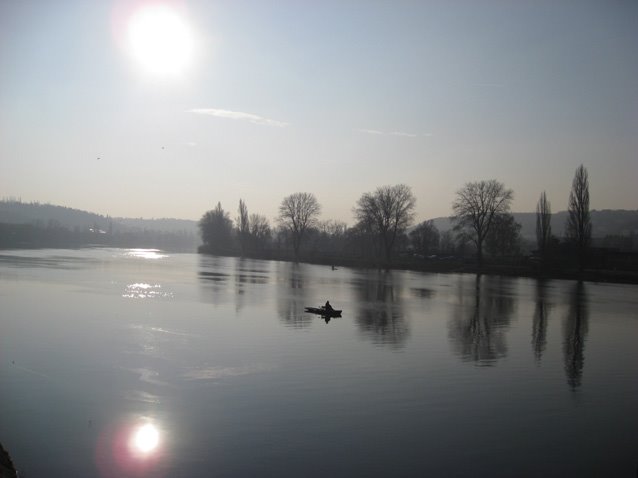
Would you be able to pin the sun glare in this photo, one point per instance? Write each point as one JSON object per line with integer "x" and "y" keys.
{"x": 160, "y": 40}
{"x": 146, "y": 438}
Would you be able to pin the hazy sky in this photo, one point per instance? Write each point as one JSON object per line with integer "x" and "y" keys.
{"x": 257, "y": 100}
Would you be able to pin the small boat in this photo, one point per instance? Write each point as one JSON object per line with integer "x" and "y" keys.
{"x": 323, "y": 311}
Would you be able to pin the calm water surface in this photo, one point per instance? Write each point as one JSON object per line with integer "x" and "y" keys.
{"x": 117, "y": 363}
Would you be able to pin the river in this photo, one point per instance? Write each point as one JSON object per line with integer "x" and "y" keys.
{"x": 118, "y": 362}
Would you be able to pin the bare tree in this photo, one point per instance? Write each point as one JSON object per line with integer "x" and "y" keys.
{"x": 259, "y": 231}
{"x": 578, "y": 228}
{"x": 543, "y": 224}
{"x": 331, "y": 236}
{"x": 504, "y": 237}
{"x": 475, "y": 206}
{"x": 243, "y": 226}
{"x": 297, "y": 213}
{"x": 425, "y": 238}
{"x": 387, "y": 213}
{"x": 332, "y": 227}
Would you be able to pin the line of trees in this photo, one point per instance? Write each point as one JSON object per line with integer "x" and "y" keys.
{"x": 383, "y": 217}
{"x": 384, "y": 229}
{"x": 578, "y": 230}
{"x": 481, "y": 216}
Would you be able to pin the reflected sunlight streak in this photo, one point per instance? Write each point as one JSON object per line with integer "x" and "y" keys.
{"x": 146, "y": 254}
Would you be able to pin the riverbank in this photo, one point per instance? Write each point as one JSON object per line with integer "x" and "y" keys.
{"x": 589, "y": 275}
{"x": 444, "y": 265}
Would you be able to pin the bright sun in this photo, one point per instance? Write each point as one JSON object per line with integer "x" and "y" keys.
{"x": 160, "y": 40}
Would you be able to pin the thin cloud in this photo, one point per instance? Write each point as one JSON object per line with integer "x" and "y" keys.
{"x": 401, "y": 133}
{"x": 383, "y": 133}
{"x": 238, "y": 115}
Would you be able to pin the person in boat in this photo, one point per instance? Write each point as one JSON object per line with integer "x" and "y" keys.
{"x": 328, "y": 307}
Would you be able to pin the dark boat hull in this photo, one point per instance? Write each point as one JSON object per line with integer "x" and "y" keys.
{"x": 323, "y": 311}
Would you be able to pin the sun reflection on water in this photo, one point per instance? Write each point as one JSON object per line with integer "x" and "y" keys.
{"x": 133, "y": 448}
{"x": 142, "y": 290}
{"x": 145, "y": 438}
{"x": 152, "y": 254}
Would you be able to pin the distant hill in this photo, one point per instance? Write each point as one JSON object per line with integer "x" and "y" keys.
{"x": 46, "y": 225}
{"x": 606, "y": 222}
{"x": 15, "y": 212}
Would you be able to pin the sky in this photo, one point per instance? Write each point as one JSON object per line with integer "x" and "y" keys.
{"x": 109, "y": 108}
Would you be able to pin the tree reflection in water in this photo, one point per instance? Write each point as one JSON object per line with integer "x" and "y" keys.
{"x": 380, "y": 314}
{"x": 292, "y": 295}
{"x": 239, "y": 284}
{"x": 484, "y": 311}
{"x": 541, "y": 315}
{"x": 213, "y": 279}
{"x": 575, "y": 335}
{"x": 250, "y": 274}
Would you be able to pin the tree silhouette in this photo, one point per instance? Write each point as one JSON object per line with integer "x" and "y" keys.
{"x": 475, "y": 206}
{"x": 543, "y": 225}
{"x": 504, "y": 236}
{"x": 330, "y": 237}
{"x": 386, "y": 213}
{"x": 425, "y": 238}
{"x": 259, "y": 231}
{"x": 578, "y": 227}
{"x": 216, "y": 229}
{"x": 297, "y": 213}
{"x": 243, "y": 226}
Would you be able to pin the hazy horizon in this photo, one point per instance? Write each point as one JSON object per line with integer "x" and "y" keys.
{"x": 255, "y": 101}
{"x": 231, "y": 211}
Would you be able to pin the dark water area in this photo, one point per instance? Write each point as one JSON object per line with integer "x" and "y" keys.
{"x": 139, "y": 363}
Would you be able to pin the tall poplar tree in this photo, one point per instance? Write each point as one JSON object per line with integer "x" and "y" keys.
{"x": 578, "y": 228}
